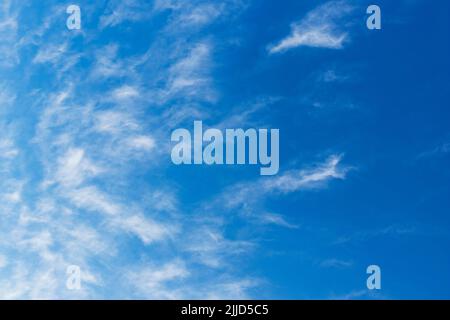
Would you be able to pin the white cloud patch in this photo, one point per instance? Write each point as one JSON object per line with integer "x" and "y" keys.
{"x": 439, "y": 150}
{"x": 120, "y": 11}
{"x": 51, "y": 54}
{"x": 3, "y": 261}
{"x": 147, "y": 230}
{"x": 305, "y": 179}
{"x": 92, "y": 199}
{"x": 276, "y": 219}
{"x": 8, "y": 149}
{"x": 7, "y": 99}
{"x": 74, "y": 168}
{"x": 211, "y": 248}
{"x": 189, "y": 76}
{"x": 246, "y": 195}
{"x": 156, "y": 282}
{"x": 114, "y": 122}
{"x": 9, "y": 50}
{"x": 108, "y": 64}
{"x": 141, "y": 142}
{"x": 125, "y": 92}
{"x": 336, "y": 263}
{"x": 320, "y": 28}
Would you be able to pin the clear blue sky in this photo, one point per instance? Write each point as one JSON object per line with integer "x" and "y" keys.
{"x": 86, "y": 177}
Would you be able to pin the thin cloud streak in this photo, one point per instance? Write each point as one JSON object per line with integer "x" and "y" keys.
{"x": 318, "y": 29}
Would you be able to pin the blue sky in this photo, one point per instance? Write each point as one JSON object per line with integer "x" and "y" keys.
{"x": 86, "y": 177}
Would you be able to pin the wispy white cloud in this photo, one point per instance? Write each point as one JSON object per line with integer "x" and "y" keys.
{"x": 9, "y": 51}
{"x": 121, "y": 11}
{"x": 92, "y": 199}
{"x": 201, "y": 14}
{"x": 332, "y": 75}
{"x": 51, "y": 53}
{"x": 313, "y": 178}
{"x": 6, "y": 98}
{"x": 316, "y": 177}
{"x": 146, "y": 229}
{"x": 197, "y": 13}
{"x": 319, "y": 28}
{"x": 362, "y": 294}
{"x": 189, "y": 76}
{"x": 159, "y": 282}
{"x": 248, "y": 199}
{"x": 391, "y": 230}
{"x": 8, "y": 149}
{"x": 275, "y": 219}
{"x": 336, "y": 263}
{"x": 245, "y": 115}
{"x": 12, "y": 191}
{"x": 114, "y": 122}
{"x": 237, "y": 288}
{"x": 125, "y": 92}
{"x": 146, "y": 143}
{"x": 3, "y": 261}
{"x": 108, "y": 64}
{"x": 441, "y": 149}
{"x": 74, "y": 168}
{"x": 210, "y": 247}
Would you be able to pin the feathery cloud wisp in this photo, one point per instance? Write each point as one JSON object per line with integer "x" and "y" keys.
{"x": 318, "y": 29}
